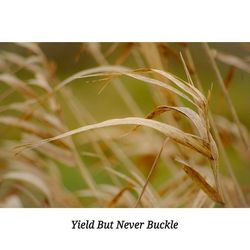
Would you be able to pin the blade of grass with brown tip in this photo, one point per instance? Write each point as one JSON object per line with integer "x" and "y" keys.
{"x": 189, "y": 113}
{"x": 199, "y": 180}
{"x": 191, "y": 141}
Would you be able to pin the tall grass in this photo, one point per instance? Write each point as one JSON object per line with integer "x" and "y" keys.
{"x": 175, "y": 154}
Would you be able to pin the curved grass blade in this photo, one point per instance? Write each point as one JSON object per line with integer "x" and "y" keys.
{"x": 186, "y": 139}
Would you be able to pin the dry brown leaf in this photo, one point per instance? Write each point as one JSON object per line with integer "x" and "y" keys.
{"x": 193, "y": 142}
{"x": 190, "y": 89}
{"x": 91, "y": 72}
{"x": 158, "y": 83}
{"x": 189, "y": 113}
{"x": 118, "y": 71}
{"x": 199, "y": 180}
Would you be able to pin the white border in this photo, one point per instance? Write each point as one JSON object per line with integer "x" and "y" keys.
{"x": 124, "y": 20}
{"x": 204, "y": 229}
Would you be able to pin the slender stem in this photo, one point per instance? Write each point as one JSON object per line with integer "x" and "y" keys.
{"x": 150, "y": 172}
